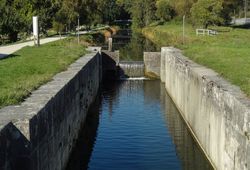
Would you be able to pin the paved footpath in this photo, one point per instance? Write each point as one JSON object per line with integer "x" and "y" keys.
{"x": 7, "y": 50}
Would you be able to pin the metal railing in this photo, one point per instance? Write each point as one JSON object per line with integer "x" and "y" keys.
{"x": 206, "y": 32}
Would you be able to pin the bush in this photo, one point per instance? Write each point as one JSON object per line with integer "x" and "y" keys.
{"x": 164, "y": 10}
{"x": 207, "y": 12}
{"x": 220, "y": 28}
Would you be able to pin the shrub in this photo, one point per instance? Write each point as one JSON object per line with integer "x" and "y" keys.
{"x": 207, "y": 12}
{"x": 164, "y": 10}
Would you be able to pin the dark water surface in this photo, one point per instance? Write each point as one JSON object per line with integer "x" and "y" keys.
{"x": 134, "y": 125}
{"x": 131, "y": 45}
{"x": 134, "y": 48}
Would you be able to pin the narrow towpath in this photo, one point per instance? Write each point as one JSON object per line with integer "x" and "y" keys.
{"x": 7, "y": 50}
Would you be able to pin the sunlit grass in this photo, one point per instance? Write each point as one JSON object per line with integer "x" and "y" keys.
{"x": 30, "y": 67}
{"x": 227, "y": 53}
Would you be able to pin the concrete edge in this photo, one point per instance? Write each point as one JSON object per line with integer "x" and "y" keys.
{"x": 210, "y": 75}
{"x": 20, "y": 115}
{"x": 152, "y": 64}
{"x": 238, "y": 101}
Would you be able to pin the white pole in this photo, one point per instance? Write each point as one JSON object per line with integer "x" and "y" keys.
{"x": 183, "y": 30}
{"x": 36, "y": 31}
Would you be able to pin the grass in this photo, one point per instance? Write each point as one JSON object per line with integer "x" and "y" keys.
{"x": 227, "y": 53}
{"x": 30, "y": 67}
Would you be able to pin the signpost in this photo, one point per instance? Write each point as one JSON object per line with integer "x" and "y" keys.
{"x": 36, "y": 31}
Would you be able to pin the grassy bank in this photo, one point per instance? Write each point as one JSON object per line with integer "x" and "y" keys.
{"x": 30, "y": 67}
{"x": 227, "y": 53}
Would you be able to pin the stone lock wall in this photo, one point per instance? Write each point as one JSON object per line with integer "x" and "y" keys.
{"x": 152, "y": 61}
{"x": 39, "y": 134}
{"x": 217, "y": 112}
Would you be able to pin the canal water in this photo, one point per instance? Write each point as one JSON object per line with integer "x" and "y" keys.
{"x": 134, "y": 125}
{"x": 131, "y": 45}
{"x": 133, "y": 50}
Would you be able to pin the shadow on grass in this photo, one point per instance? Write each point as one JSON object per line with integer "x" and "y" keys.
{"x": 247, "y": 26}
{"x": 6, "y": 56}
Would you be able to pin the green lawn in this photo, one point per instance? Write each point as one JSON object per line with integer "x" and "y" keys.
{"x": 31, "y": 67}
{"x": 227, "y": 53}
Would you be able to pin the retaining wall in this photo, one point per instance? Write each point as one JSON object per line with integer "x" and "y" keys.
{"x": 39, "y": 134}
{"x": 152, "y": 62}
{"x": 110, "y": 61}
{"x": 217, "y": 112}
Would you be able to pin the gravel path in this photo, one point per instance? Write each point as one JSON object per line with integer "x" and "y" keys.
{"x": 7, "y": 50}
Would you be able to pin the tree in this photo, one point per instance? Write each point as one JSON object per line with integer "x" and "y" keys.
{"x": 231, "y": 8}
{"x": 141, "y": 11}
{"x": 164, "y": 10}
{"x": 60, "y": 22}
{"x": 182, "y": 7}
{"x": 71, "y": 9}
{"x": 207, "y": 12}
{"x": 149, "y": 11}
{"x": 126, "y": 4}
{"x": 46, "y": 10}
{"x": 108, "y": 10}
{"x": 15, "y": 17}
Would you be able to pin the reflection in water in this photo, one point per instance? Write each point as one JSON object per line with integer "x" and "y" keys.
{"x": 138, "y": 128}
{"x": 133, "y": 50}
{"x": 82, "y": 151}
{"x": 186, "y": 147}
{"x": 130, "y": 44}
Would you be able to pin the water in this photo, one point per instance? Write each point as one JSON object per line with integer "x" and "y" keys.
{"x": 130, "y": 44}
{"x": 134, "y": 125}
{"x": 133, "y": 48}
{"x": 131, "y": 69}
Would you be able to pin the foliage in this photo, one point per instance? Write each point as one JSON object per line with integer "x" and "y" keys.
{"x": 108, "y": 10}
{"x": 182, "y": 7}
{"x": 15, "y": 16}
{"x": 142, "y": 11}
{"x": 164, "y": 10}
{"x": 58, "y": 27}
{"x": 60, "y": 21}
{"x": 207, "y": 12}
{"x": 230, "y": 8}
{"x": 46, "y": 10}
{"x": 126, "y": 4}
{"x": 200, "y": 12}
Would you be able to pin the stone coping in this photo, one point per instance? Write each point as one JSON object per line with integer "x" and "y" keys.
{"x": 20, "y": 115}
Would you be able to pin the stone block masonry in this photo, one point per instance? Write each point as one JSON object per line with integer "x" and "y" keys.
{"x": 152, "y": 61}
{"x": 217, "y": 112}
{"x": 39, "y": 134}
